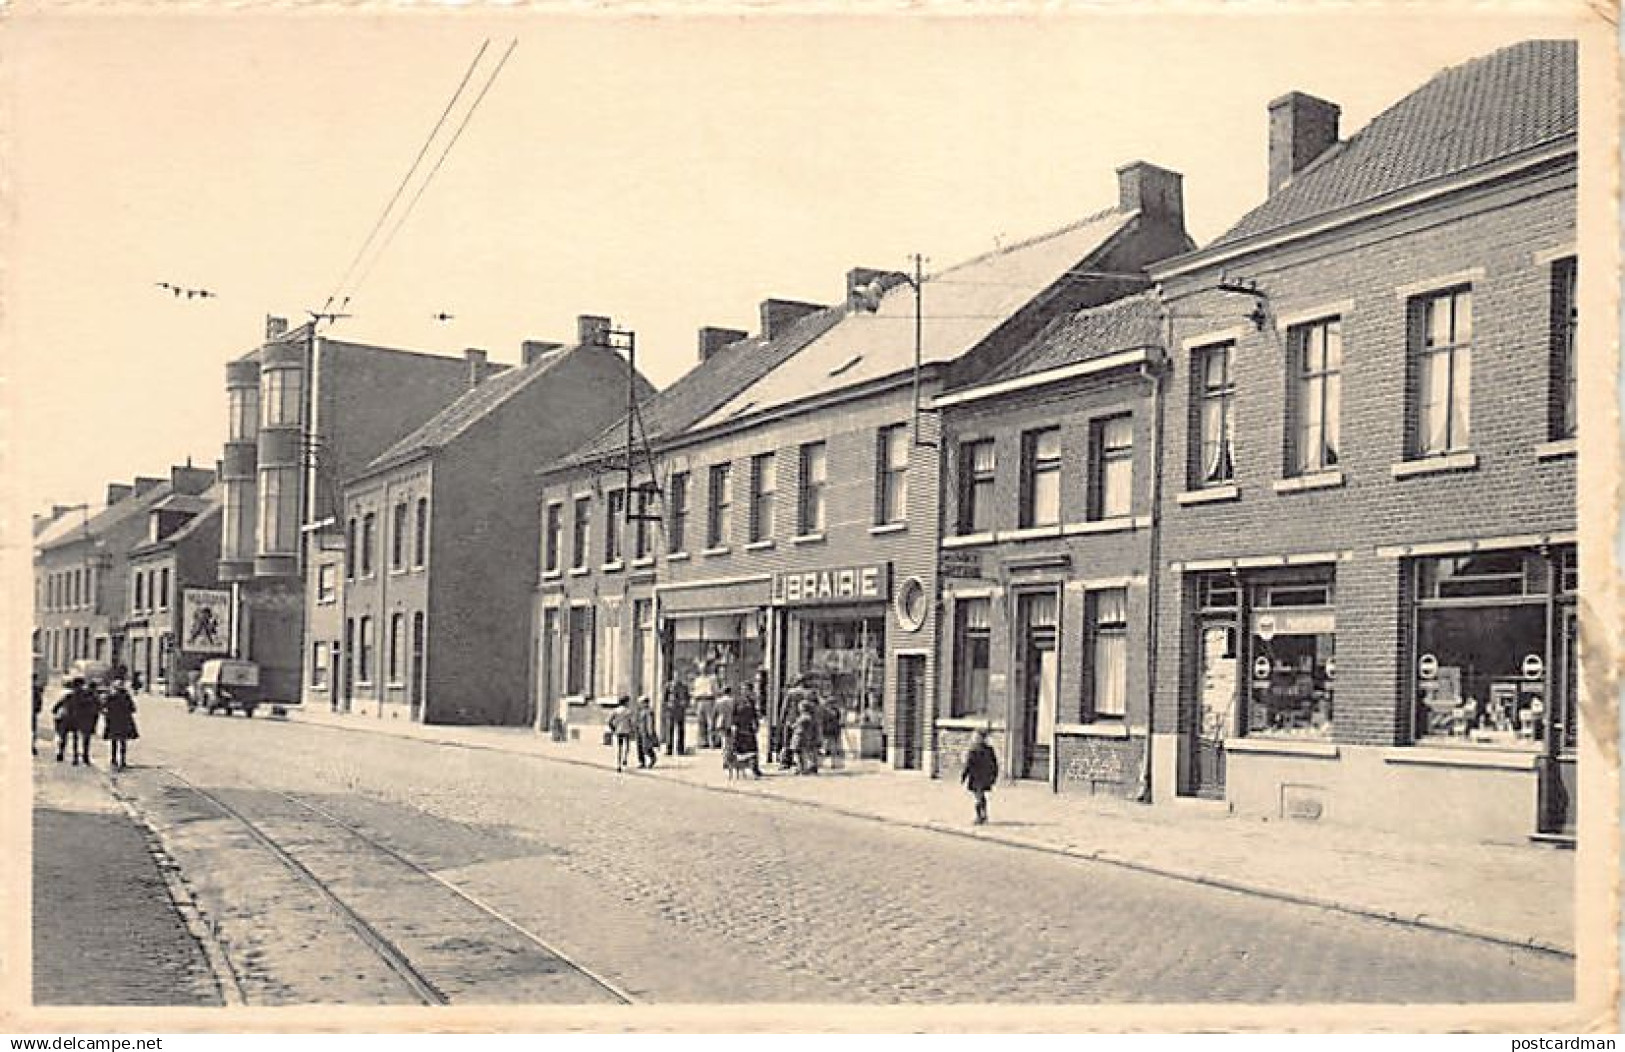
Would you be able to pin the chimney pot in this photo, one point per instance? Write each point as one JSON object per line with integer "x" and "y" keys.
{"x": 143, "y": 483}
{"x": 779, "y": 315}
{"x": 1156, "y": 193}
{"x": 275, "y": 328}
{"x": 590, "y": 328}
{"x": 1302, "y": 128}
{"x": 117, "y": 491}
{"x": 530, "y": 350}
{"x": 714, "y": 338}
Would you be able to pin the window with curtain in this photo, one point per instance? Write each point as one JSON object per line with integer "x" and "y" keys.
{"x": 1442, "y": 342}
{"x": 719, "y": 523}
{"x": 972, "y": 654}
{"x": 1108, "y": 648}
{"x": 397, "y": 537}
{"x": 1215, "y": 394}
{"x": 581, "y": 540}
{"x": 1113, "y": 443}
{"x": 891, "y": 474}
{"x": 1565, "y": 350}
{"x": 369, "y": 542}
{"x": 614, "y": 516}
{"x": 677, "y": 519}
{"x": 364, "y": 645}
{"x": 763, "y": 483}
{"x": 1041, "y": 477}
{"x": 1314, "y": 411}
{"x": 397, "y": 630}
{"x": 420, "y": 537}
{"x": 814, "y": 474}
{"x": 977, "y": 474}
{"x": 553, "y": 537}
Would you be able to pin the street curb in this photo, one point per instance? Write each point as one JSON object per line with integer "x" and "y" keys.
{"x": 1422, "y": 921}
{"x": 180, "y": 894}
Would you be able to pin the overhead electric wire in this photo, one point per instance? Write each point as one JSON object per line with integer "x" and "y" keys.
{"x": 410, "y": 171}
{"x": 412, "y": 204}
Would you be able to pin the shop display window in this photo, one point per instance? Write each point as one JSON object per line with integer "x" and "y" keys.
{"x": 1292, "y": 661}
{"x": 1480, "y": 657}
{"x": 730, "y": 646}
{"x": 845, "y": 660}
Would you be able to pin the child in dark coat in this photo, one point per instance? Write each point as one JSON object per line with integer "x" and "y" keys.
{"x": 981, "y": 773}
{"x": 118, "y": 725}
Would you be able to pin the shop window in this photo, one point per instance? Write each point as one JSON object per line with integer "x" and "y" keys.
{"x": 1442, "y": 348}
{"x": 730, "y": 647}
{"x": 1111, "y": 493}
{"x": 349, "y": 549}
{"x": 552, "y": 536}
{"x": 719, "y": 520}
{"x": 977, "y": 475}
{"x": 327, "y": 583}
{"x": 397, "y": 537}
{"x": 1314, "y": 409}
{"x": 1565, "y": 410}
{"x": 973, "y": 644}
{"x": 1292, "y": 660}
{"x": 1480, "y": 657}
{"x": 614, "y": 516}
{"x": 365, "y": 643}
{"x": 369, "y": 542}
{"x": 814, "y": 473}
{"x": 420, "y": 536}
{"x": 844, "y": 659}
{"x": 320, "y": 665}
{"x": 578, "y": 666}
{"x": 1041, "y": 477}
{"x": 891, "y": 474}
{"x": 677, "y": 514}
{"x": 763, "y": 482}
{"x": 1108, "y": 652}
{"x": 1214, "y": 410}
{"x": 582, "y": 538}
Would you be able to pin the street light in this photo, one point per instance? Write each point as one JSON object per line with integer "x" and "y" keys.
{"x": 868, "y": 301}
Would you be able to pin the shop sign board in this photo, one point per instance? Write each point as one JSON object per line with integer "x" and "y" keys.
{"x": 1261, "y": 667}
{"x": 206, "y": 616}
{"x": 961, "y": 565}
{"x": 1534, "y": 667}
{"x": 845, "y": 584}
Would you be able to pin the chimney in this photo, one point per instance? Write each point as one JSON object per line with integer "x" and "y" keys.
{"x": 865, "y": 285}
{"x": 530, "y": 350}
{"x": 1302, "y": 128}
{"x": 117, "y": 491}
{"x": 779, "y": 315}
{"x": 143, "y": 483}
{"x": 1156, "y": 193}
{"x": 590, "y": 329}
{"x": 59, "y": 510}
{"x": 275, "y": 328}
{"x": 477, "y": 362}
{"x": 714, "y": 339}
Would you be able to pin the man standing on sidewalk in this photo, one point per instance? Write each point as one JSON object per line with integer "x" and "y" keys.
{"x": 674, "y": 715}
{"x": 705, "y": 697}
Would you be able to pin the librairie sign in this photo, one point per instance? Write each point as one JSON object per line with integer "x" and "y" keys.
{"x": 843, "y": 584}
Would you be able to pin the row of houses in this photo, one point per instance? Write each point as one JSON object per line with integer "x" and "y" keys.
{"x": 1284, "y": 523}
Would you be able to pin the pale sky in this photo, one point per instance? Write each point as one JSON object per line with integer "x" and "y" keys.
{"x": 668, "y": 173}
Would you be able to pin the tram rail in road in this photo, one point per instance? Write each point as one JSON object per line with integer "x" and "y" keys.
{"x": 439, "y": 943}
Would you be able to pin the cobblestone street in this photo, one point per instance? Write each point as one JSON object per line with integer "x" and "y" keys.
{"x": 659, "y": 892}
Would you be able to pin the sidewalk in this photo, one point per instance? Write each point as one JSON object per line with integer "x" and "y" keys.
{"x": 106, "y": 928}
{"x": 1488, "y": 891}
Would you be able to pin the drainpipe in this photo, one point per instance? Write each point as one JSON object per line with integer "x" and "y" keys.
{"x": 1156, "y": 372}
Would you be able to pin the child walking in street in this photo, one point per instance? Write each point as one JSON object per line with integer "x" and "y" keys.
{"x": 981, "y": 772}
{"x": 118, "y": 725}
{"x": 623, "y": 726}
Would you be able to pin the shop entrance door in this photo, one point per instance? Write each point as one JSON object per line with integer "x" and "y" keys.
{"x": 1040, "y": 682}
{"x": 1216, "y": 686}
{"x": 1559, "y": 786}
{"x": 910, "y": 689}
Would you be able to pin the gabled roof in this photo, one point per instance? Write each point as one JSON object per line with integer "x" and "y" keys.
{"x": 961, "y": 307}
{"x": 1126, "y": 324}
{"x": 708, "y": 385}
{"x": 1504, "y": 103}
{"x": 106, "y": 519}
{"x": 468, "y": 409}
{"x": 208, "y": 508}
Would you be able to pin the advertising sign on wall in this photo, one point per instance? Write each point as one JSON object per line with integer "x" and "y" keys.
{"x": 206, "y": 624}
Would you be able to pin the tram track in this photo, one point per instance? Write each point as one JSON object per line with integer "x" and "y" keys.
{"x": 445, "y": 946}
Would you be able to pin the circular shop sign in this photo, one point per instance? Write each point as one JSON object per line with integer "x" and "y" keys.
{"x": 1534, "y": 667}
{"x": 1427, "y": 666}
{"x": 1261, "y": 667}
{"x": 912, "y": 605}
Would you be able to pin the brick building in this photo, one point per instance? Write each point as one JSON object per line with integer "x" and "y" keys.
{"x": 1368, "y": 527}
{"x": 1047, "y": 552}
{"x": 801, "y": 490}
{"x": 304, "y": 412}
{"x": 82, "y": 569}
{"x": 181, "y": 553}
{"x": 444, "y": 536}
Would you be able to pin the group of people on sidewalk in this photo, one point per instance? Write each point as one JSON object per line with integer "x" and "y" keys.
{"x": 81, "y": 707}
